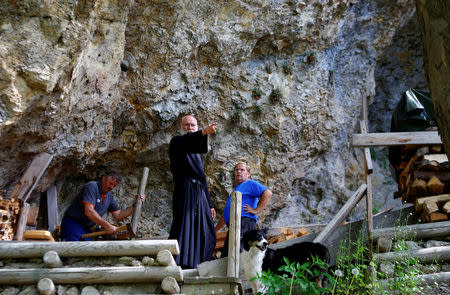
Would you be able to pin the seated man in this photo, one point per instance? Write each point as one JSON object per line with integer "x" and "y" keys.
{"x": 255, "y": 198}
{"x": 87, "y": 209}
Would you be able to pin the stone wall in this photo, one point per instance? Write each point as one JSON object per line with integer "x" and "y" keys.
{"x": 104, "y": 83}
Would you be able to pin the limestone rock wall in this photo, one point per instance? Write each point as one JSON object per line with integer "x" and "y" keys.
{"x": 104, "y": 83}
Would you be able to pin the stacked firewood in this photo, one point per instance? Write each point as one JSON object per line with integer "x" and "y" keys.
{"x": 287, "y": 233}
{"x": 9, "y": 213}
{"x": 424, "y": 179}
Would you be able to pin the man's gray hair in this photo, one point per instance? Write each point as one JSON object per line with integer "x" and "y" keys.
{"x": 114, "y": 174}
{"x": 247, "y": 167}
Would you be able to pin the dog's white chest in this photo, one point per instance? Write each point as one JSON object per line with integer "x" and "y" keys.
{"x": 252, "y": 263}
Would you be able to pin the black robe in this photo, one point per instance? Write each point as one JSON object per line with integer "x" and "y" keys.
{"x": 192, "y": 223}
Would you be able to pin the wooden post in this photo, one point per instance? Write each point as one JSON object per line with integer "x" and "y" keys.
{"x": 45, "y": 286}
{"x": 235, "y": 235}
{"x": 138, "y": 203}
{"x": 88, "y": 248}
{"x": 165, "y": 258}
{"x": 91, "y": 275}
{"x": 22, "y": 222}
{"x": 52, "y": 260}
{"x": 368, "y": 176}
{"x": 170, "y": 285}
{"x": 339, "y": 217}
{"x": 52, "y": 208}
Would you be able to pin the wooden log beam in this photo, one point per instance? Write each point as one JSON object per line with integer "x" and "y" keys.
{"x": 418, "y": 231}
{"x": 45, "y": 286}
{"x": 235, "y": 235}
{"x": 396, "y": 138}
{"x": 165, "y": 258}
{"x": 51, "y": 260}
{"x": 91, "y": 275}
{"x": 424, "y": 280}
{"x": 440, "y": 254}
{"x": 31, "y": 177}
{"x": 170, "y": 286}
{"x": 138, "y": 202}
{"x": 339, "y": 217}
{"x": 88, "y": 248}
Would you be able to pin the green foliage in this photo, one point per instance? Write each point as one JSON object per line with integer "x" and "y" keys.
{"x": 287, "y": 69}
{"x": 268, "y": 69}
{"x": 295, "y": 280}
{"x": 237, "y": 115}
{"x": 275, "y": 95}
{"x": 257, "y": 92}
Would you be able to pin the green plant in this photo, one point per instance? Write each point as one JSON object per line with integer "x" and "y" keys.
{"x": 237, "y": 115}
{"x": 257, "y": 92}
{"x": 295, "y": 279}
{"x": 268, "y": 69}
{"x": 275, "y": 95}
{"x": 287, "y": 69}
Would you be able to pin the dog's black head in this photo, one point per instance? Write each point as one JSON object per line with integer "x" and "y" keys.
{"x": 255, "y": 238}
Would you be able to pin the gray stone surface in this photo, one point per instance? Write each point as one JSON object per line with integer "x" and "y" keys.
{"x": 104, "y": 85}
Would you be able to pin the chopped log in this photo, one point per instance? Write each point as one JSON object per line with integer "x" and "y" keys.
{"x": 440, "y": 254}
{"x": 436, "y": 217}
{"x": 45, "y": 286}
{"x": 440, "y": 199}
{"x": 430, "y": 207}
{"x": 32, "y": 215}
{"x": 443, "y": 176}
{"x": 428, "y": 166}
{"x": 436, "y": 148}
{"x": 286, "y": 230}
{"x": 221, "y": 236}
{"x": 446, "y": 208}
{"x": 402, "y": 179}
{"x": 235, "y": 234}
{"x": 418, "y": 188}
{"x": 290, "y": 237}
{"x": 92, "y": 275}
{"x": 417, "y": 231}
{"x": 33, "y": 235}
{"x": 170, "y": 285}
{"x": 339, "y": 217}
{"x": 396, "y": 138}
{"x": 165, "y": 258}
{"x": 440, "y": 158}
{"x": 21, "y": 224}
{"x": 31, "y": 177}
{"x": 302, "y": 232}
{"x": 88, "y": 248}
{"x": 52, "y": 260}
{"x": 435, "y": 186}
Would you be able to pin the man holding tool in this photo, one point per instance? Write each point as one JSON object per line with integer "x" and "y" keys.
{"x": 87, "y": 209}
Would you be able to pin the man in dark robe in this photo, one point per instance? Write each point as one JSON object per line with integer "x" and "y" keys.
{"x": 193, "y": 211}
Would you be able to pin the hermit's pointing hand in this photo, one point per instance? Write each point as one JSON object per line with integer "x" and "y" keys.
{"x": 211, "y": 129}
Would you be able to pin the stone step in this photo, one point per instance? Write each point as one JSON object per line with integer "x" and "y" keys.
{"x": 212, "y": 285}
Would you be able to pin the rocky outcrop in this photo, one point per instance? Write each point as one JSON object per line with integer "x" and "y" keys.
{"x": 103, "y": 83}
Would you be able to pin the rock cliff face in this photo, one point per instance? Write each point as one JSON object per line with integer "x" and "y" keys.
{"x": 104, "y": 83}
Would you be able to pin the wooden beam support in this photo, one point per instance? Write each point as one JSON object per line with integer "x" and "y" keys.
{"x": 418, "y": 231}
{"x": 22, "y": 222}
{"x": 52, "y": 208}
{"x": 138, "y": 202}
{"x": 31, "y": 177}
{"x": 91, "y": 275}
{"x": 88, "y": 248}
{"x": 235, "y": 235}
{"x": 396, "y": 138}
{"x": 339, "y": 217}
{"x": 441, "y": 254}
{"x": 165, "y": 258}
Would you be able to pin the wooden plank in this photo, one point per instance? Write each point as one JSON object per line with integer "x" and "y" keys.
{"x": 417, "y": 231}
{"x": 440, "y": 158}
{"x": 138, "y": 202}
{"x": 441, "y": 254}
{"x": 52, "y": 208}
{"x": 31, "y": 177}
{"x": 33, "y": 235}
{"x": 88, "y": 248}
{"x": 339, "y": 217}
{"x": 367, "y": 157}
{"x": 32, "y": 215}
{"x": 91, "y": 275}
{"x": 396, "y": 138}
{"x": 22, "y": 222}
{"x": 235, "y": 235}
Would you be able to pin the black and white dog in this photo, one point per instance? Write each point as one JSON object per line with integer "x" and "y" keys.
{"x": 257, "y": 257}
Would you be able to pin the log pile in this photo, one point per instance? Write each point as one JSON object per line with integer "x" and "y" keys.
{"x": 9, "y": 213}
{"x": 287, "y": 233}
{"x": 424, "y": 180}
